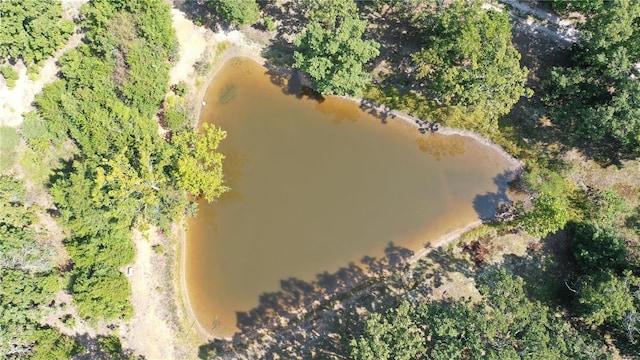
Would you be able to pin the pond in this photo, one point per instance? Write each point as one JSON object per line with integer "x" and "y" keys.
{"x": 318, "y": 185}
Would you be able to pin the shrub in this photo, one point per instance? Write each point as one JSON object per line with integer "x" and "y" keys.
{"x": 34, "y": 130}
{"x": 176, "y": 113}
{"x": 202, "y": 67}
{"x": 181, "y": 88}
{"x": 33, "y": 72}
{"x": 269, "y": 23}
{"x": 10, "y": 75}
{"x": 9, "y": 139}
{"x": 237, "y": 12}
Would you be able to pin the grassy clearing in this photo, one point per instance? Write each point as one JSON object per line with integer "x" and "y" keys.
{"x": 9, "y": 140}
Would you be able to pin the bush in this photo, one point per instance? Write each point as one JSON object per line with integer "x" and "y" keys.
{"x": 34, "y": 130}
{"x": 269, "y": 23}
{"x": 237, "y": 12}
{"x": 158, "y": 248}
{"x": 9, "y": 140}
{"x": 33, "y": 72}
{"x": 111, "y": 345}
{"x": 34, "y": 166}
{"x": 202, "y": 67}
{"x": 10, "y": 75}
{"x": 180, "y": 88}
{"x": 52, "y": 344}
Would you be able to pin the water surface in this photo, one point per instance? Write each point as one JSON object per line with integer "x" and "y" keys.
{"x": 317, "y": 185}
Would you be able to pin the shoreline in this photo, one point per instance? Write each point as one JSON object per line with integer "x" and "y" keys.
{"x": 516, "y": 164}
{"x": 183, "y": 293}
{"x": 232, "y": 52}
{"x": 244, "y": 50}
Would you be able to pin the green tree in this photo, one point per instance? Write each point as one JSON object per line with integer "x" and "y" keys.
{"x": 599, "y": 249}
{"x": 505, "y": 324}
{"x": 32, "y": 30}
{"x": 552, "y": 206}
{"x": 333, "y": 52}
{"x": 101, "y": 292}
{"x": 329, "y": 13}
{"x": 237, "y": 12}
{"x": 577, "y": 5}
{"x": 21, "y": 247}
{"x": 393, "y": 336}
{"x": 597, "y": 97}
{"x": 606, "y": 297}
{"x": 111, "y": 87}
{"x": 199, "y": 168}
{"x": 50, "y": 344}
{"x": 469, "y": 59}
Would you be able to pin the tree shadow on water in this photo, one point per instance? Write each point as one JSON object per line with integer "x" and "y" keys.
{"x": 496, "y": 205}
{"x": 292, "y": 82}
{"x": 301, "y": 310}
{"x": 382, "y": 112}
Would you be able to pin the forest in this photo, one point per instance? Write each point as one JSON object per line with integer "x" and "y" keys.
{"x": 116, "y": 149}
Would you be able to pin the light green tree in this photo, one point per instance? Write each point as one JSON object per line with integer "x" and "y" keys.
{"x": 552, "y": 207}
{"x": 199, "y": 167}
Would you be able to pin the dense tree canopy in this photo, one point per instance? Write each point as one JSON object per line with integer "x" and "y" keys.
{"x": 331, "y": 50}
{"x": 597, "y": 98}
{"x": 125, "y": 174}
{"x": 28, "y": 280}
{"x": 504, "y": 325}
{"x": 607, "y": 288}
{"x": 469, "y": 60}
{"x": 32, "y": 30}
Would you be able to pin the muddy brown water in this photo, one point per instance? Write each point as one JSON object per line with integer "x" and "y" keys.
{"x": 317, "y": 185}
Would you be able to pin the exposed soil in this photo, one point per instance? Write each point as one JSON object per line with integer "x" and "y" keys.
{"x": 149, "y": 333}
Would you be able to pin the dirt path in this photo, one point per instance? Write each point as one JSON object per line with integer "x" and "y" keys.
{"x": 537, "y": 20}
{"x": 149, "y": 332}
